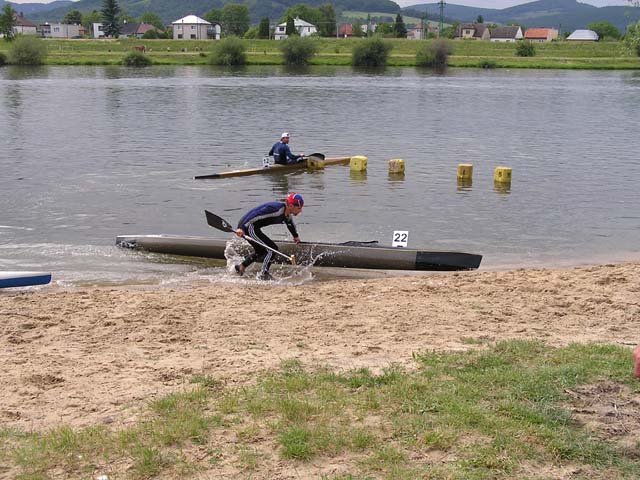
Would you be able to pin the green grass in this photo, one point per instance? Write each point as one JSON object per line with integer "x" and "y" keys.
{"x": 331, "y": 51}
{"x": 497, "y": 412}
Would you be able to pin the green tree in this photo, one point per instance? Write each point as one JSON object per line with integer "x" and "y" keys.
{"x": 632, "y": 38}
{"x": 385, "y": 29}
{"x": 480, "y": 19}
{"x": 304, "y": 12}
{"x": 7, "y": 22}
{"x": 229, "y": 51}
{"x": 214, "y": 16}
{"x": 291, "y": 27}
{"x": 369, "y": 25}
{"x": 110, "y": 25}
{"x": 235, "y": 19}
{"x": 371, "y": 52}
{"x": 327, "y": 26}
{"x": 264, "y": 29}
{"x": 298, "y": 50}
{"x": 152, "y": 19}
{"x": 605, "y": 30}
{"x": 73, "y": 17}
{"x": 88, "y": 19}
{"x": 399, "y": 28}
{"x": 356, "y": 30}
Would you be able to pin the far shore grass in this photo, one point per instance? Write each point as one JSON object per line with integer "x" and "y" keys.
{"x": 515, "y": 409}
{"x": 559, "y": 55}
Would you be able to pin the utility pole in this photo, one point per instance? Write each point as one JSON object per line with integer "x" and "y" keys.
{"x": 441, "y": 4}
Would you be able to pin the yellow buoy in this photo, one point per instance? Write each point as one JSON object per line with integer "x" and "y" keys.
{"x": 358, "y": 163}
{"x": 502, "y": 175}
{"x": 465, "y": 171}
{"x": 396, "y": 165}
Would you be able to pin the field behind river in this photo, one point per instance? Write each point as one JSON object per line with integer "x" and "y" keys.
{"x": 334, "y": 51}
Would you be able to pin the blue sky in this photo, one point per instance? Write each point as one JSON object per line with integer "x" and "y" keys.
{"x": 470, "y": 3}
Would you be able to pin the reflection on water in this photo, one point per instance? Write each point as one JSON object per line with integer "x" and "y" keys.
{"x": 94, "y": 152}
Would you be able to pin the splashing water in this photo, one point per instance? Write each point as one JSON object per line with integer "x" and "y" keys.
{"x": 286, "y": 275}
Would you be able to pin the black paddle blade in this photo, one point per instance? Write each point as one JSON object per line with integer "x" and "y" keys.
{"x": 216, "y": 222}
{"x": 318, "y": 156}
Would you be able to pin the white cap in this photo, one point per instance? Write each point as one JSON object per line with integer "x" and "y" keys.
{"x": 285, "y": 134}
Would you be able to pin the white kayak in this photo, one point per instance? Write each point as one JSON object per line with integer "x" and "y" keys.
{"x": 23, "y": 279}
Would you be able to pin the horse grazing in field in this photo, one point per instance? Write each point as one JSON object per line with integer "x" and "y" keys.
{"x": 140, "y": 48}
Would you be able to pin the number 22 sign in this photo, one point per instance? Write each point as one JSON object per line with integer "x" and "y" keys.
{"x": 400, "y": 238}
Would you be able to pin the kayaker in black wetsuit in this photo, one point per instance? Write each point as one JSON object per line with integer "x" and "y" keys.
{"x": 251, "y": 224}
{"x": 282, "y": 153}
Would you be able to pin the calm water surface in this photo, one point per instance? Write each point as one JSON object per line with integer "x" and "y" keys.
{"x": 88, "y": 153}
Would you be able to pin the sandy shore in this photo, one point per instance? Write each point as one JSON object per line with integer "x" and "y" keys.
{"x": 91, "y": 356}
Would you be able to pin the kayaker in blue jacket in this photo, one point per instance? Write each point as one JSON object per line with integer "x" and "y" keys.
{"x": 252, "y": 223}
{"x": 282, "y": 153}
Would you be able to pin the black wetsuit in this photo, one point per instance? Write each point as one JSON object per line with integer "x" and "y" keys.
{"x": 282, "y": 154}
{"x": 252, "y": 223}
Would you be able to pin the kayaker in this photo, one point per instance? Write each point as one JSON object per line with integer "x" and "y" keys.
{"x": 252, "y": 223}
{"x": 282, "y": 153}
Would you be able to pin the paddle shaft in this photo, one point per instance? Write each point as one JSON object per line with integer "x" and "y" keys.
{"x": 217, "y": 222}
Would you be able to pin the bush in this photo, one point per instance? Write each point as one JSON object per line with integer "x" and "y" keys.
{"x": 372, "y": 52}
{"x": 136, "y": 59}
{"x": 150, "y": 34}
{"x": 3, "y": 59}
{"x": 298, "y": 50}
{"x": 525, "y": 49}
{"x": 487, "y": 64}
{"x": 433, "y": 54}
{"x": 27, "y": 50}
{"x": 229, "y": 51}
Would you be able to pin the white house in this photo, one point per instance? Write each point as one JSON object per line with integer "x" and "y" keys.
{"x": 192, "y": 27}
{"x": 97, "y": 30}
{"x": 60, "y": 30}
{"x": 506, "y": 34}
{"x": 583, "y": 36}
{"x": 304, "y": 29}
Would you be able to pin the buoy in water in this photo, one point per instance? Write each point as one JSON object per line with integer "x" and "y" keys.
{"x": 502, "y": 175}
{"x": 396, "y": 166}
{"x": 358, "y": 163}
{"x": 465, "y": 172}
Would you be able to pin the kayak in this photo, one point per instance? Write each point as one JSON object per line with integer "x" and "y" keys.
{"x": 23, "y": 279}
{"x": 277, "y": 168}
{"x": 345, "y": 255}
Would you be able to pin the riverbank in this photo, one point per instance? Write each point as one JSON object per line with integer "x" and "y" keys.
{"x": 557, "y": 55}
{"x": 81, "y": 356}
{"x": 81, "y": 365}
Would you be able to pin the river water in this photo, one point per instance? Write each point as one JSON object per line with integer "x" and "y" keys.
{"x": 88, "y": 153}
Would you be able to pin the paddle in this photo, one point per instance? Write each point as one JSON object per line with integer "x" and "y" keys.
{"x": 221, "y": 224}
{"x": 318, "y": 156}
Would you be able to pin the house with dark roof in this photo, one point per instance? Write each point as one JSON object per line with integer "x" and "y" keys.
{"x": 135, "y": 30}
{"x": 24, "y": 26}
{"x": 473, "y": 31}
{"x": 511, "y": 33}
{"x": 541, "y": 35}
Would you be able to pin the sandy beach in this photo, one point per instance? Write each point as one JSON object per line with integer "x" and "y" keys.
{"x": 90, "y": 356}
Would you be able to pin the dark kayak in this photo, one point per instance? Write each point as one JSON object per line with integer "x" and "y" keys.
{"x": 345, "y": 255}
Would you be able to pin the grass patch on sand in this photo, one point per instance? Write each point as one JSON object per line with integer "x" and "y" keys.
{"x": 332, "y": 51}
{"x": 497, "y": 412}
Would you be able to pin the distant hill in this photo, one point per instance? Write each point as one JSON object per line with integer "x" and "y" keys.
{"x": 170, "y": 10}
{"x": 30, "y": 9}
{"x": 569, "y": 14}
